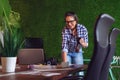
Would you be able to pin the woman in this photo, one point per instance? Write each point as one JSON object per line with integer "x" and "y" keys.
{"x": 74, "y": 37}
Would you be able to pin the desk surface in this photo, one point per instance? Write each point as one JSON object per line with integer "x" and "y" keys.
{"x": 40, "y": 74}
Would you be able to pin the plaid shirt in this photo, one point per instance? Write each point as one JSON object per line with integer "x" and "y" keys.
{"x": 69, "y": 42}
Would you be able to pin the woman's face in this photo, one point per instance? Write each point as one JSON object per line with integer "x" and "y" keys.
{"x": 70, "y": 22}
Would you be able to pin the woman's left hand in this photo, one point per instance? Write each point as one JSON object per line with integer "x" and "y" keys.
{"x": 83, "y": 43}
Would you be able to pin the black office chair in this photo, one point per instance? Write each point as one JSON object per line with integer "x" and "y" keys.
{"x": 31, "y": 42}
{"x": 109, "y": 57}
{"x": 32, "y": 53}
{"x": 101, "y": 47}
{"x": 30, "y": 56}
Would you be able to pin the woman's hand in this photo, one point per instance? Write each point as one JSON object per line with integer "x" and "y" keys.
{"x": 83, "y": 43}
{"x": 64, "y": 57}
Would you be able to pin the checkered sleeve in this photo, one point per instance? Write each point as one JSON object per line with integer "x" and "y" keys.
{"x": 65, "y": 40}
{"x": 82, "y": 32}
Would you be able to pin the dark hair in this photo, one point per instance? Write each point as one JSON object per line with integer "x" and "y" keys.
{"x": 70, "y": 13}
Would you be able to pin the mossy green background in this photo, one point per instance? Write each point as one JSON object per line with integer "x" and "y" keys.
{"x": 45, "y": 19}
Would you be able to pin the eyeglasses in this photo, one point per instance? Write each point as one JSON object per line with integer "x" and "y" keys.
{"x": 71, "y": 21}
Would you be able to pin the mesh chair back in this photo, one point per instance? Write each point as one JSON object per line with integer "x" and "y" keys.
{"x": 33, "y": 42}
{"x": 30, "y": 56}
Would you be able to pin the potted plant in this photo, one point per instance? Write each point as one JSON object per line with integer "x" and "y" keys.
{"x": 11, "y": 40}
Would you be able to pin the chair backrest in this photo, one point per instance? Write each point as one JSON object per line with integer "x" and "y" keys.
{"x": 33, "y": 52}
{"x": 31, "y": 42}
{"x": 30, "y": 56}
{"x": 101, "y": 46}
{"x": 109, "y": 57}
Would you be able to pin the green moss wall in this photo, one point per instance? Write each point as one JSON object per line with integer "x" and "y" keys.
{"x": 45, "y": 19}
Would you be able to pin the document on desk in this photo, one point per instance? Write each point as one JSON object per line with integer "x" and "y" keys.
{"x": 49, "y": 68}
{"x": 6, "y": 74}
{"x": 40, "y": 73}
{"x": 57, "y": 69}
{"x": 50, "y": 74}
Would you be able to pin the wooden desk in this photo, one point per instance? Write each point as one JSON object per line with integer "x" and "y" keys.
{"x": 40, "y": 74}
